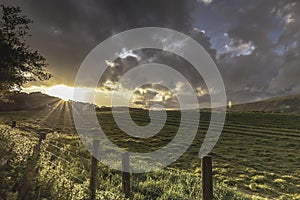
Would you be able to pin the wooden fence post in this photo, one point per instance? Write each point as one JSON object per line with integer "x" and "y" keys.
{"x": 125, "y": 175}
{"x": 27, "y": 181}
{"x": 94, "y": 169}
{"x": 13, "y": 124}
{"x": 207, "y": 182}
{"x": 37, "y": 148}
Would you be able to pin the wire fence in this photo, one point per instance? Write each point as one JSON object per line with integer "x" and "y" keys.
{"x": 57, "y": 150}
{"x": 152, "y": 184}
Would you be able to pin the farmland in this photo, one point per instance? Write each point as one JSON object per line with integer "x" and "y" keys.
{"x": 257, "y": 155}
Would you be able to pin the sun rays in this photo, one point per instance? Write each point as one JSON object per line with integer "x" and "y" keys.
{"x": 58, "y": 116}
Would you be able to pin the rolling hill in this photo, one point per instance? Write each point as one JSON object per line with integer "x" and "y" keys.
{"x": 287, "y": 104}
{"x": 24, "y": 101}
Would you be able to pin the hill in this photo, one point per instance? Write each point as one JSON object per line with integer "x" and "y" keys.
{"x": 24, "y": 101}
{"x": 287, "y": 104}
{"x": 37, "y": 101}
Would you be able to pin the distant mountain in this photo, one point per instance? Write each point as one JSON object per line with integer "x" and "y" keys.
{"x": 24, "y": 101}
{"x": 286, "y": 104}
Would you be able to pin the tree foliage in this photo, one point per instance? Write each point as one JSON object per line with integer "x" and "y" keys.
{"x": 19, "y": 63}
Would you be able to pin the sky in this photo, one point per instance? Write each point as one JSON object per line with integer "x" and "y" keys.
{"x": 255, "y": 44}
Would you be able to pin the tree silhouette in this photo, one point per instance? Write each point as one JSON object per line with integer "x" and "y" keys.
{"x": 19, "y": 63}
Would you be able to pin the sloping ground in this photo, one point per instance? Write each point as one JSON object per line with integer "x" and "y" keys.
{"x": 24, "y": 101}
{"x": 257, "y": 154}
{"x": 64, "y": 173}
{"x": 287, "y": 104}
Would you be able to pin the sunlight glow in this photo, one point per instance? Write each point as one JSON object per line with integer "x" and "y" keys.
{"x": 62, "y": 91}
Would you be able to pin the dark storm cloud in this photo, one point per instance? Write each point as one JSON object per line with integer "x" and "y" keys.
{"x": 156, "y": 93}
{"x": 65, "y": 31}
{"x": 122, "y": 65}
{"x": 287, "y": 79}
{"x": 253, "y": 22}
{"x": 267, "y": 69}
{"x": 261, "y": 59}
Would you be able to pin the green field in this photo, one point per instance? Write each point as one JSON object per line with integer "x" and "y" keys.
{"x": 257, "y": 156}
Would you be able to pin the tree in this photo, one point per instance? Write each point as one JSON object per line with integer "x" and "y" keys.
{"x": 19, "y": 63}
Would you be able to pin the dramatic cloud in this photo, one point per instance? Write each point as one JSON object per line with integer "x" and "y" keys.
{"x": 153, "y": 94}
{"x": 287, "y": 79}
{"x": 255, "y": 44}
{"x": 206, "y": 2}
{"x": 65, "y": 31}
{"x": 258, "y": 63}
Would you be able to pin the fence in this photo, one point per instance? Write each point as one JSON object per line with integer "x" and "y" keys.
{"x": 207, "y": 181}
{"x": 242, "y": 163}
{"x": 126, "y": 177}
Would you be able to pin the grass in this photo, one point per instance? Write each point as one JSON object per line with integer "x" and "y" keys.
{"x": 257, "y": 156}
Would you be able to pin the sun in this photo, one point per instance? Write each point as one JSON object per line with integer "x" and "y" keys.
{"x": 61, "y": 91}
{"x": 66, "y": 93}
{"x": 64, "y": 98}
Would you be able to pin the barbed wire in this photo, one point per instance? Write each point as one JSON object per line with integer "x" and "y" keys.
{"x": 63, "y": 149}
{"x": 182, "y": 171}
{"x": 72, "y": 146}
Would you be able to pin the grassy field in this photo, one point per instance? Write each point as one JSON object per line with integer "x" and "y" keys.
{"x": 258, "y": 155}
